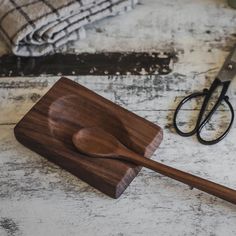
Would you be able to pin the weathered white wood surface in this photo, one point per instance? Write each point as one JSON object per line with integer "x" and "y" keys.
{"x": 38, "y": 198}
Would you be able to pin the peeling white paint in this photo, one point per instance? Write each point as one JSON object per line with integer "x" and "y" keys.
{"x": 38, "y": 198}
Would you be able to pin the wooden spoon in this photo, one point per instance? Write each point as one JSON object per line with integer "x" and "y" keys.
{"x": 96, "y": 142}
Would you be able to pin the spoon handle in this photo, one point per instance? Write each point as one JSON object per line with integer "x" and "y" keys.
{"x": 189, "y": 179}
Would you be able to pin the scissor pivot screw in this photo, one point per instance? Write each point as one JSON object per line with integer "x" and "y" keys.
{"x": 230, "y": 67}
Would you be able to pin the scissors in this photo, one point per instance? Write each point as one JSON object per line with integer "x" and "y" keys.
{"x": 223, "y": 79}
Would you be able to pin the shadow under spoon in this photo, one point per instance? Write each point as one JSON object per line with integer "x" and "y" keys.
{"x": 96, "y": 142}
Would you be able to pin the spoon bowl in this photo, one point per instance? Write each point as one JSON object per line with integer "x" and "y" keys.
{"x": 96, "y": 142}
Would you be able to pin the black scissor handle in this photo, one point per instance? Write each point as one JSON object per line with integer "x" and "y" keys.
{"x": 185, "y": 100}
{"x": 218, "y": 139}
{"x": 200, "y": 123}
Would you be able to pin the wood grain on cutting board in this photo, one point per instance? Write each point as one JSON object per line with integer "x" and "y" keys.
{"x": 49, "y": 126}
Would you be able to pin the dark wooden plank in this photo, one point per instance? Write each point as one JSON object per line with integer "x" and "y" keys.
{"x": 87, "y": 64}
{"x": 49, "y": 126}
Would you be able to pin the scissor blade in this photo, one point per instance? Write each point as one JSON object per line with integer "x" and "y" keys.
{"x": 228, "y": 70}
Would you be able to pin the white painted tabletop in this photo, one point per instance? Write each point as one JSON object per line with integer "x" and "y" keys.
{"x": 39, "y": 198}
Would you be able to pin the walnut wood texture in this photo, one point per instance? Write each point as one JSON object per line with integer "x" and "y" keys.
{"x": 49, "y": 126}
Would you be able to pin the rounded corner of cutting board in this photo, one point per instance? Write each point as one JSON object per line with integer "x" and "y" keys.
{"x": 126, "y": 180}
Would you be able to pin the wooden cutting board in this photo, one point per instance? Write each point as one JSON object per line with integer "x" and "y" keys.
{"x": 48, "y": 128}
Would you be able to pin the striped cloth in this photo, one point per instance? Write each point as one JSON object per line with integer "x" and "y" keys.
{"x": 37, "y": 27}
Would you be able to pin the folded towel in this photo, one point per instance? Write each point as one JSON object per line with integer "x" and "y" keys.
{"x": 37, "y": 27}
